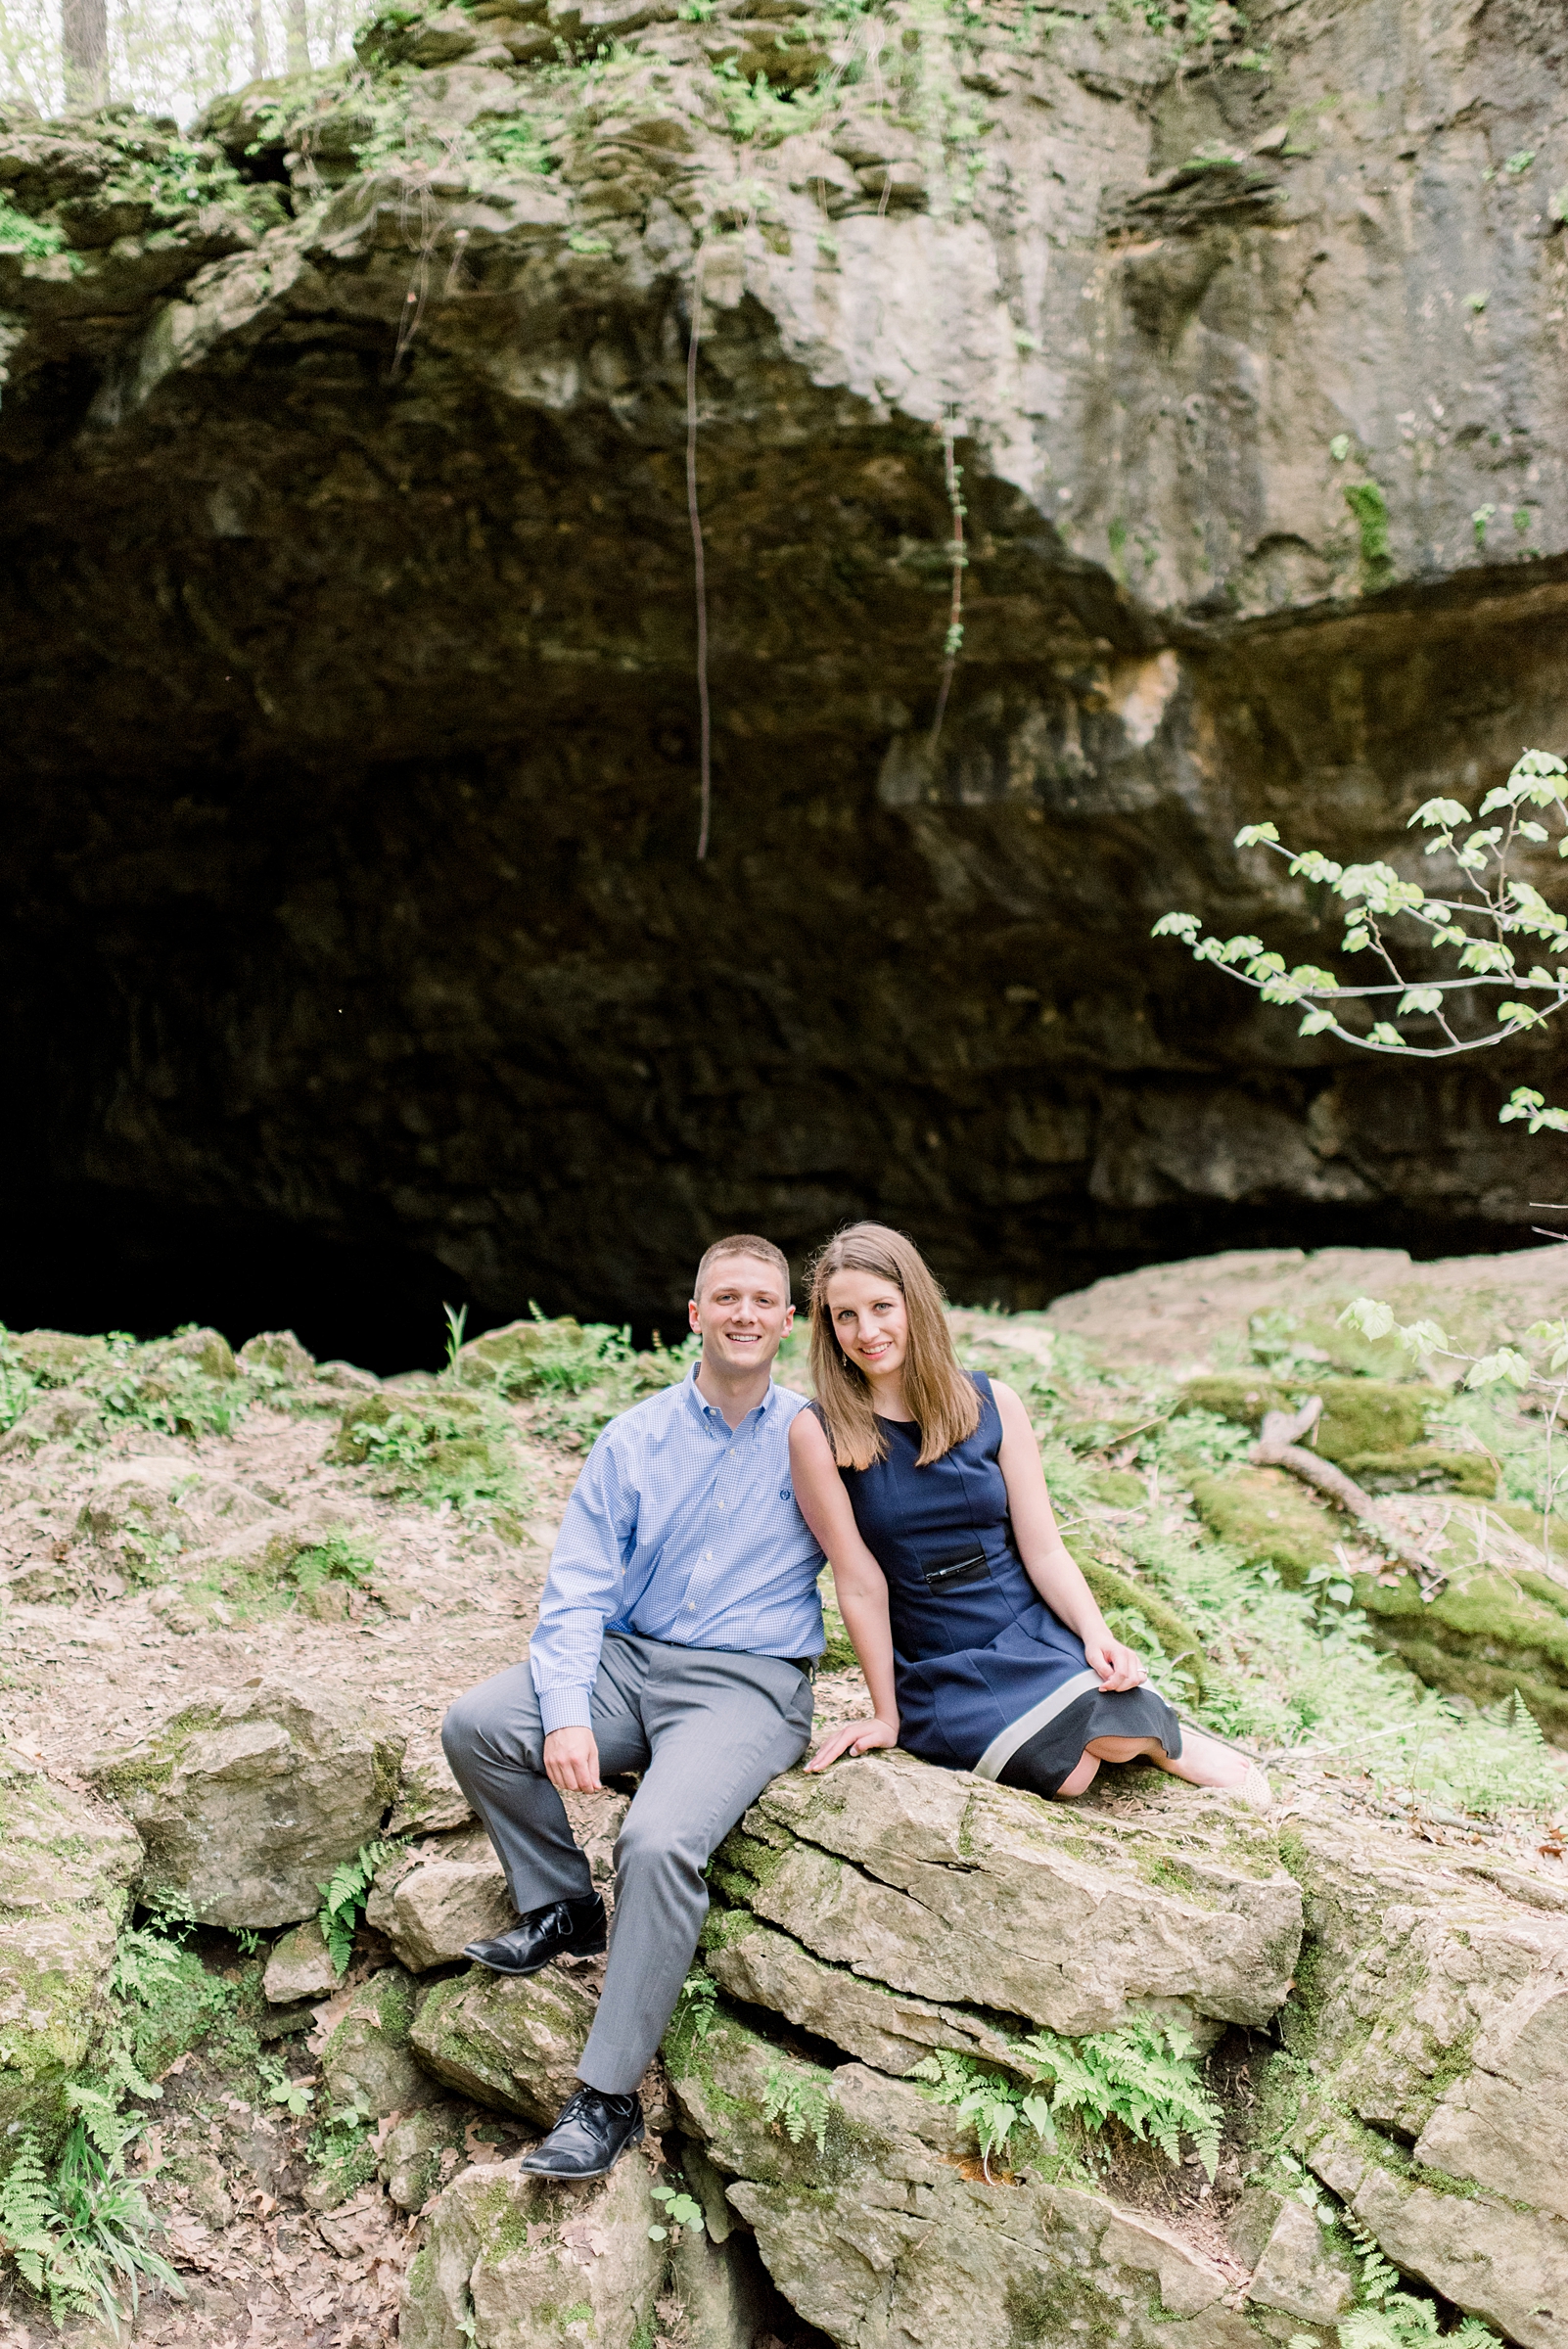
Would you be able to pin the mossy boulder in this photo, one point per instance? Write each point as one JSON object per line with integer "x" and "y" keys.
{"x": 246, "y": 1803}
{"x": 279, "y": 1351}
{"x": 964, "y": 1892}
{"x": 507, "y": 2041}
{"x": 1428, "y": 2058}
{"x": 433, "y": 1418}
{"x": 418, "y": 2150}
{"x": 1359, "y": 1415}
{"x": 514, "y": 1355}
{"x": 56, "y": 1358}
{"x": 1424, "y": 1468}
{"x": 876, "y": 2222}
{"x": 66, "y": 1866}
{"x": 513, "y": 2262}
{"x": 1128, "y": 1606}
{"x": 368, "y": 2062}
{"x": 1486, "y": 1635}
{"x": 1271, "y": 1519}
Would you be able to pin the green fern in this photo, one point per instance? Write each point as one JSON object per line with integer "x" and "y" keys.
{"x": 79, "y": 2236}
{"x": 344, "y": 1897}
{"x": 1143, "y": 2074}
{"x": 797, "y": 2101}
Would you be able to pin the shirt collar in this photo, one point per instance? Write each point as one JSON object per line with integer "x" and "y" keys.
{"x": 707, "y": 1412}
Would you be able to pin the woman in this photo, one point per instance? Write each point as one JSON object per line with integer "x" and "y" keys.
{"x": 980, "y": 1642}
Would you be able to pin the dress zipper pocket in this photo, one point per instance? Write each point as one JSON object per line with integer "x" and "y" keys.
{"x": 955, "y": 1574}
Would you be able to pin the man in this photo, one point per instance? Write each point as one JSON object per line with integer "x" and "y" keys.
{"x": 676, "y": 1637}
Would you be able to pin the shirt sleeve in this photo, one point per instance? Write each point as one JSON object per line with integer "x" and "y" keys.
{"x": 583, "y": 1590}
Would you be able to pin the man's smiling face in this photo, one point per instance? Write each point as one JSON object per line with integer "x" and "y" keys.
{"x": 742, "y": 1313}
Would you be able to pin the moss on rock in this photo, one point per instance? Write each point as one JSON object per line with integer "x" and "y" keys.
{"x": 1486, "y": 1635}
{"x": 1359, "y": 1415}
{"x": 1270, "y": 1519}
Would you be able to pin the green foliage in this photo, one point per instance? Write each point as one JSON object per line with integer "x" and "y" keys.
{"x": 680, "y": 2209}
{"x": 1486, "y": 927}
{"x": 342, "y": 2148}
{"x": 279, "y": 2087}
{"x": 436, "y": 1447}
{"x": 991, "y": 2103}
{"x": 344, "y": 1897}
{"x": 18, "y": 1386}
{"x": 169, "y": 1393}
{"x": 34, "y": 240}
{"x": 1143, "y": 2075}
{"x": 799, "y": 2101}
{"x": 80, "y": 2233}
{"x": 697, "y": 2007}
{"x": 1369, "y": 506}
{"x": 1391, "y": 2318}
{"x": 340, "y": 1556}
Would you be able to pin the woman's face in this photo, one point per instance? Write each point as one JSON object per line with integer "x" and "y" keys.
{"x": 870, "y": 1321}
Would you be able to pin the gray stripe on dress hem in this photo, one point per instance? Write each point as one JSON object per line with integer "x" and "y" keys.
{"x": 1001, "y": 1749}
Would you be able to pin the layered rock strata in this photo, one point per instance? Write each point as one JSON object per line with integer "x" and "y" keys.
{"x": 350, "y": 659}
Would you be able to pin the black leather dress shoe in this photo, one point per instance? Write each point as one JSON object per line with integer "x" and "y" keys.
{"x": 563, "y": 1929}
{"x": 590, "y": 2138}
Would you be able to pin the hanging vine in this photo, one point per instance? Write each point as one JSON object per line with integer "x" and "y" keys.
{"x": 953, "y": 475}
{"x": 698, "y": 559}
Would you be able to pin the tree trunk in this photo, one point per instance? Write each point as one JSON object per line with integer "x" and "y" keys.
{"x": 298, "y": 26}
{"x": 258, "y": 42}
{"x": 85, "y": 25}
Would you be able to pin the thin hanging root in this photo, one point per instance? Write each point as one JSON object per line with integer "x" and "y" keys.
{"x": 953, "y": 473}
{"x": 1277, "y": 1448}
{"x": 698, "y": 564}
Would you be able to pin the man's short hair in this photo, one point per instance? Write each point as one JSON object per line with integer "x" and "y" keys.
{"x": 744, "y": 1243}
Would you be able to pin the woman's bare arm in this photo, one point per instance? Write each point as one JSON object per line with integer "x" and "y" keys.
{"x": 860, "y": 1584}
{"x": 1046, "y": 1557}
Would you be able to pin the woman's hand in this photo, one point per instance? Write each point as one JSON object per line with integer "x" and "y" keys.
{"x": 853, "y": 1737}
{"x": 1119, "y": 1667}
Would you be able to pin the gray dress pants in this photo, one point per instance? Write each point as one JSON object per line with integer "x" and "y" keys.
{"x": 708, "y": 1729}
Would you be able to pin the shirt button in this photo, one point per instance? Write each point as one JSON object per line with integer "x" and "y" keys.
{"x": 691, "y": 1606}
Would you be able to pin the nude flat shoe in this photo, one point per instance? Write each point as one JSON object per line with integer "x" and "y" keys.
{"x": 1255, "y": 1791}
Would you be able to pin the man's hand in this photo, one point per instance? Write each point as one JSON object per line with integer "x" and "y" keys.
{"x": 1118, "y": 1667}
{"x": 853, "y": 1737}
{"x": 571, "y": 1761}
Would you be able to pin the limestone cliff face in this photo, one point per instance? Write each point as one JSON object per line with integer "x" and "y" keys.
{"x": 348, "y": 639}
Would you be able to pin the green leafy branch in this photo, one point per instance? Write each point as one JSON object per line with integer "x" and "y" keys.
{"x": 1426, "y": 1342}
{"x": 1492, "y": 913}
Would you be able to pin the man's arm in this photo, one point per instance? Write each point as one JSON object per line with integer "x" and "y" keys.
{"x": 580, "y": 1594}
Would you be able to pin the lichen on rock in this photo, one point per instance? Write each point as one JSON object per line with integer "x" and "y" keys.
{"x": 66, "y": 1867}
{"x": 246, "y": 1803}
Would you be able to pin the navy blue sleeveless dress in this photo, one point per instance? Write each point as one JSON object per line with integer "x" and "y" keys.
{"x": 988, "y": 1677}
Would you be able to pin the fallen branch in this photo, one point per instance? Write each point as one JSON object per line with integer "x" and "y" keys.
{"x": 1277, "y": 1448}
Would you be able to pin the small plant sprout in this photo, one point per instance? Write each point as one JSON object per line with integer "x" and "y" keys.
{"x": 1339, "y": 447}
{"x": 1493, "y": 916}
{"x": 456, "y": 1325}
{"x": 680, "y": 2209}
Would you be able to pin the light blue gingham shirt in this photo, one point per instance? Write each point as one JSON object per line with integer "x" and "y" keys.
{"x": 685, "y": 1530}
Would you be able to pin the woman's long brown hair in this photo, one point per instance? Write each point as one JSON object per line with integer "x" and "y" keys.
{"x": 943, "y": 1400}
